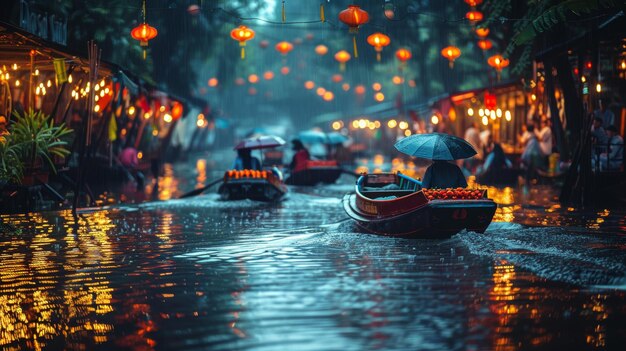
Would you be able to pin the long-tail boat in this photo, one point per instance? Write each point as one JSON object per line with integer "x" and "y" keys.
{"x": 314, "y": 172}
{"x": 265, "y": 185}
{"x": 397, "y": 205}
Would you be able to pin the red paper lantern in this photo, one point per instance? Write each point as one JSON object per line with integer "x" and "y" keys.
{"x": 342, "y": 57}
{"x": 451, "y": 53}
{"x": 498, "y": 62}
{"x": 177, "y": 110}
{"x": 336, "y": 78}
{"x": 284, "y": 47}
{"x": 473, "y": 2}
{"x": 242, "y": 34}
{"x": 144, "y": 32}
{"x": 378, "y": 41}
{"x": 321, "y": 50}
{"x": 482, "y": 32}
{"x": 474, "y": 16}
{"x": 490, "y": 101}
{"x": 485, "y": 44}
{"x": 354, "y": 17}
{"x": 403, "y": 55}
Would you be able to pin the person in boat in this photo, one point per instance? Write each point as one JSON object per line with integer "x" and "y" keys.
{"x": 298, "y": 162}
{"x": 245, "y": 160}
{"x": 495, "y": 162}
{"x": 443, "y": 174}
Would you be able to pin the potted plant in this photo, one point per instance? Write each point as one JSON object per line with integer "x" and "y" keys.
{"x": 34, "y": 140}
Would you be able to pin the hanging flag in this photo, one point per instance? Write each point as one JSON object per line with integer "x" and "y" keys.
{"x": 59, "y": 69}
{"x": 112, "y": 128}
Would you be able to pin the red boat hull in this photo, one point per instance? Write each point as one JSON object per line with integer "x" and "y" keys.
{"x": 326, "y": 172}
{"x": 433, "y": 219}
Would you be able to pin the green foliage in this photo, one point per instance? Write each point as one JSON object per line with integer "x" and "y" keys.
{"x": 11, "y": 168}
{"x": 33, "y": 136}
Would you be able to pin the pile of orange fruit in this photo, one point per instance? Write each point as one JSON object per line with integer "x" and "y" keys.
{"x": 246, "y": 173}
{"x": 454, "y": 194}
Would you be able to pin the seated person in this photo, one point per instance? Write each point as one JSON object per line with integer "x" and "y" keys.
{"x": 494, "y": 162}
{"x": 245, "y": 160}
{"x": 298, "y": 162}
{"x": 443, "y": 174}
{"x": 613, "y": 159}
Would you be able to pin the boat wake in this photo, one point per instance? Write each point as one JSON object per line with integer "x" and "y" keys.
{"x": 595, "y": 260}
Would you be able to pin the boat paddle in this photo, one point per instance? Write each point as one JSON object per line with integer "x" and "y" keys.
{"x": 201, "y": 190}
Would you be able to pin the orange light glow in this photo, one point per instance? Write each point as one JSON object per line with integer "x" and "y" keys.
{"x": 353, "y": 17}
{"x": 482, "y": 32}
{"x": 485, "y": 44}
{"x": 321, "y": 50}
{"x": 403, "y": 55}
{"x": 320, "y": 91}
{"x": 253, "y": 78}
{"x": 380, "y": 97}
{"x": 213, "y": 82}
{"x": 376, "y": 86}
{"x": 359, "y": 90}
{"x": 284, "y": 47}
{"x": 309, "y": 84}
{"x": 328, "y": 96}
{"x": 284, "y": 70}
{"x": 451, "y": 53}
{"x": 397, "y": 80}
{"x": 268, "y": 75}
{"x": 474, "y": 16}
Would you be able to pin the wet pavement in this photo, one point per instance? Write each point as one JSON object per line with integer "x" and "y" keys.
{"x": 205, "y": 274}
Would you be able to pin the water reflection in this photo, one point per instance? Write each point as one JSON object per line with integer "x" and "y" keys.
{"x": 296, "y": 275}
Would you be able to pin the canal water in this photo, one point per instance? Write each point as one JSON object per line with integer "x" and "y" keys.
{"x": 206, "y": 274}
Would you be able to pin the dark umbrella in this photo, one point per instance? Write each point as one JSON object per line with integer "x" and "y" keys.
{"x": 435, "y": 146}
{"x": 261, "y": 142}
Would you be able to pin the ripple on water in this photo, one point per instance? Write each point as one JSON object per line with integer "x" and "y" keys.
{"x": 571, "y": 255}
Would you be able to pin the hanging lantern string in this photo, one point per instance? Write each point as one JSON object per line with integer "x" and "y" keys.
{"x": 356, "y": 52}
{"x": 284, "y": 17}
{"x": 322, "y": 17}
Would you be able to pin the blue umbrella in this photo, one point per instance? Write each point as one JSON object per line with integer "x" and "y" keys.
{"x": 313, "y": 137}
{"x": 435, "y": 146}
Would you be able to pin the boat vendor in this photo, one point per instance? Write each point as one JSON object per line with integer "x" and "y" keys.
{"x": 298, "y": 162}
{"x": 443, "y": 174}
{"x": 245, "y": 160}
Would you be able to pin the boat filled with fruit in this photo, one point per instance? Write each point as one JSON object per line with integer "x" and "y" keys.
{"x": 314, "y": 172}
{"x": 265, "y": 185}
{"x": 397, "y": 205}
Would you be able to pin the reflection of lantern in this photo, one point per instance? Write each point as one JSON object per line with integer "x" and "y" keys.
{"x": 403, "y": 55}
{"x": 242, "y": 34}
{"x": 353, "y": 16}
{"x": 321, "y": 50}
{"x": 451, "y": 53}
{"x": 143, "y": 32}
{"x": 284, "y": 47}
{"x": 482, "y": 32}
{"x": 473, "y": 2}
{"x": 474, "y": 16}
{"x": 342, "y": 57}
{"x": 485, "y": 44}
{"x": 378, "y": 41}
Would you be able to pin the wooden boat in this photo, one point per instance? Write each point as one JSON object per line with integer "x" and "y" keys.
{"x": 326, "y": 171}
{"x": 396, "y": 205}
{"x": 263, "y": 185}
